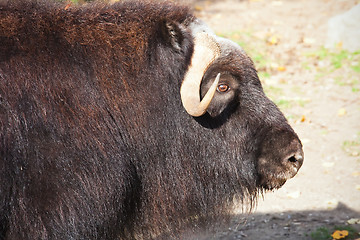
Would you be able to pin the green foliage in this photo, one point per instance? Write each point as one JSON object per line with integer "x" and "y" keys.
{"x": 321, "y": 233}
{"x": 352, "y": 147}
{"x": 324, "y": 233}
{"x": 273, "y": 92}
{"x": 276, "y": 95}
{"x": 283, "y": 103}
{"x": 326, "y": 62}
{"x": 355, "y": 89}
{"x": 337, "y": 58}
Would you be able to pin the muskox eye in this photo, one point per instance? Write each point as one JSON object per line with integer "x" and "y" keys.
{"x": 223, "y": 88}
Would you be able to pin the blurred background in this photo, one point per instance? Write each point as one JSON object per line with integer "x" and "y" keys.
{"x": 307, "y": 55}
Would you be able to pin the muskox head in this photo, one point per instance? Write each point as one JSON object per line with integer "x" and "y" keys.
{"x": 221, "y": 86}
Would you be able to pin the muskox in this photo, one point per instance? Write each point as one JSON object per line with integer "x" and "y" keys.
{"x": 129, "y": 121}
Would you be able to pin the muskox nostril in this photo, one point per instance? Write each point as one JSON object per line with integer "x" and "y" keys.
{"x": 296, "y": 160}
{"x": 293, "y": 159}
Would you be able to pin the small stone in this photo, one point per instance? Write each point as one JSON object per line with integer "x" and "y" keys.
{"x": 354, "y": 221}
{"x": 294, "y": 195}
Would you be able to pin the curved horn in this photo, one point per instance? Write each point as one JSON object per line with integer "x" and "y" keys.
{"x": 206, "y": 50}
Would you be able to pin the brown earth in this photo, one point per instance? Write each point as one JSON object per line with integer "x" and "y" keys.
{"x": 322, "y": 103}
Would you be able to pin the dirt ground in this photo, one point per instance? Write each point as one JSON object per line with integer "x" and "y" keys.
{"x": 325, "y": 113}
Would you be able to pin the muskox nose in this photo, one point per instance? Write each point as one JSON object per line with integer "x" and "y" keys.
{"x": 295, "y": 159}
{"x": 281, "y": 157}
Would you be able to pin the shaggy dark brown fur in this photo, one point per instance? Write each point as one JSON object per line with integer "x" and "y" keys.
{"x": 94, "y": 141}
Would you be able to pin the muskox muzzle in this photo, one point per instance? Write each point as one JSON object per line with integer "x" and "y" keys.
{"x": 280, "y": 158}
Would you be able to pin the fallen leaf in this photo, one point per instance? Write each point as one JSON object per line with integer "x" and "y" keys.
{"x": 340, "y": 234}
{"x": 281, "y": 68}
{"x": 341, "y": 112}
{"x": 273, "y": 40}
{"x": 332, "y": 202}
{"x": 354, "y": 221}
{"x": 339, "y": 45}
{"x": 303, "y": 118}
{"x": 198, "y": 8}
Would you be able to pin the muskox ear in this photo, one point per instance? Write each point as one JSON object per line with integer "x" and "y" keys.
{"x": 172, "y": 34}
